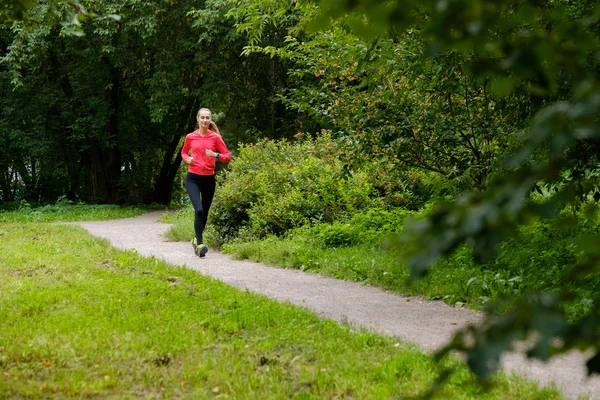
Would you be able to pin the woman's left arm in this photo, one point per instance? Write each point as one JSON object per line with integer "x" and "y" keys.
{"x": 222, "y": 152}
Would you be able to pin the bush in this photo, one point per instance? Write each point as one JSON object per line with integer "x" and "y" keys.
{"x": 365, "y": 228}
{"x": 536, "y": 261}
{"x": 274, "y": 186}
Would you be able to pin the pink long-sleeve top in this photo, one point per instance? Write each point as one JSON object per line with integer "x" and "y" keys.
{"x": 198, "y": 144}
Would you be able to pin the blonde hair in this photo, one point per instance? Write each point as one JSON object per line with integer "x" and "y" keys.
{"x": 212, "y": 125}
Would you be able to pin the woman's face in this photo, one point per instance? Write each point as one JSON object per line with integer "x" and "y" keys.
{"x": 204, "y": 118}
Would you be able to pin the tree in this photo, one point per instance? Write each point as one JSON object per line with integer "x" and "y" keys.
{"x": 383, "y": 94}
{"x": 548, "y": 51}
{"x": 114, "y": 101}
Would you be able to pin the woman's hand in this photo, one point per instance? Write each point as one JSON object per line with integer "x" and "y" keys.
{"x": 190, "y": 160}
{"x": 210, "y": 153}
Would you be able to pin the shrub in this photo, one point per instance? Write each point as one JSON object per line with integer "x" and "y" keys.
{"x": 274, "y": 186}
{"x": 364, "y": 228}
{"x": 536, "y": 261}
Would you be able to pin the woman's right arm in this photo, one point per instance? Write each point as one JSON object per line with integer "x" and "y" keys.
{"x": 185, "y": 151}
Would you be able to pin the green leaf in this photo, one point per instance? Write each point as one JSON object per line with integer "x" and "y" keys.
{"x": 502, "y": 87}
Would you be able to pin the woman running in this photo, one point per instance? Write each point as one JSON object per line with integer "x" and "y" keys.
{"x": 206, "y": 147}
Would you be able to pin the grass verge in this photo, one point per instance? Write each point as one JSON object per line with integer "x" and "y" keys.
{"x": 67, "y": 212}
{"x": 81, "y": 319}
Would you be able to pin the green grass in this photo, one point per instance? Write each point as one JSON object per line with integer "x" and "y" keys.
{"x": 182, "y": 221}
{"x": 80, "y": 319}
{"x": 67, "y": 212}
{"x": 365, "y": 264}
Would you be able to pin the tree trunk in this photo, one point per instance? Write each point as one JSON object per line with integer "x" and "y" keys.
{"x": 105, "y": 162}
{"x": 101, "y": 171}
{"x": 163, "y": 188}
{"x": 6, "y": 193}
{"x": 74, "y": 166}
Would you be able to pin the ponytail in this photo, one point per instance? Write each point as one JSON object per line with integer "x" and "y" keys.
{"x": 213, "y": 127}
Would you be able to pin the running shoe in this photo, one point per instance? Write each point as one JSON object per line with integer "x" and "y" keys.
{"x": 202, "y": 250}
{"x": 195, "y": 245}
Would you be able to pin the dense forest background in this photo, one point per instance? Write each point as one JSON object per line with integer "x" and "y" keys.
{"x": 488, "y": 109}
{"x": 96, "y": 111}
{"x": 94, "y": 108}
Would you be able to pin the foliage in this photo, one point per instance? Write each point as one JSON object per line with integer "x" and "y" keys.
{"x": 100, "y": 117}
{"x": 365, "y": 228}
{"x": 550, "y": 50}
{"x": 345, "y": 250}
{"x": 388, "y": 99}
{"x": 539, "y": 259}
{"x": 274, "y": 186}
{"x": 96, "y": 101}
{"x": 256, "y": 19}
{"x": 70, "y": 13}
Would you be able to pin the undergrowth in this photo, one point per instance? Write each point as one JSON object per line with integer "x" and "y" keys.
{"x": 535, "y": 261}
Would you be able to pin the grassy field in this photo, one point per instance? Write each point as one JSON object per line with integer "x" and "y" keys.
{"x": 80, "y": 319}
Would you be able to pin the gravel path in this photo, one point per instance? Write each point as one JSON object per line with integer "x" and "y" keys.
{"x": 427, "y": 323}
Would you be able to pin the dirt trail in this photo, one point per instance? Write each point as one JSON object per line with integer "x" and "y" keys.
{"x": 427, "y": 323}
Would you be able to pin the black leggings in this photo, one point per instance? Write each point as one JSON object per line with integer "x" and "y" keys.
{"x": 196, "y": 186}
